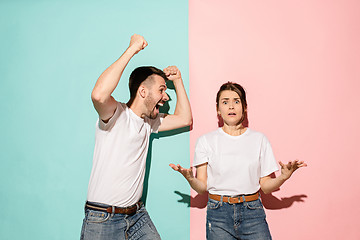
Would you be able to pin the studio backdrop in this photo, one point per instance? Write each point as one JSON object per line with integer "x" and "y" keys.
{"x": 298, "y": 61}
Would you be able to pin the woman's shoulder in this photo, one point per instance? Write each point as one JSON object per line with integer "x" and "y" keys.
{"x": 208, "y": 137}
{"x": 257, "y": 135}
{"x": 210, "y": 134}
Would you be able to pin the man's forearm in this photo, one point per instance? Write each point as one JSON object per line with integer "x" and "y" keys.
{"x": 110, "y": 78}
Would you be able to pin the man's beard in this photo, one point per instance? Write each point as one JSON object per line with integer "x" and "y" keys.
{"x": 150, "y": 106}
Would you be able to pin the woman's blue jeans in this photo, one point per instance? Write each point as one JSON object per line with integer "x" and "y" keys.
{"x": 98, "y": 225}
{"x": 244, "y": 220}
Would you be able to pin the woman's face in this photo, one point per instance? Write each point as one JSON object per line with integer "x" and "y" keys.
{"x": 230, "y": 108}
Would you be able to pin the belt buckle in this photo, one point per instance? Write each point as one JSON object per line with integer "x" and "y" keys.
{"x": 229, "y": 197}
{"x": 238, "y": 198}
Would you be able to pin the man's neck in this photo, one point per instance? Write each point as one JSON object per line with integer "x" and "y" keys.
{"x": 137, "y": 108}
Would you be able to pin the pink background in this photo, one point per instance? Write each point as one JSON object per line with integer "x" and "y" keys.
{"x": 300, "y": 65}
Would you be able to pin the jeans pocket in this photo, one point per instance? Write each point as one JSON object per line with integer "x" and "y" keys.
{"x": 96, "y": 216}
{"x": 212, "y": 204}
{"x": 254, "y": 205}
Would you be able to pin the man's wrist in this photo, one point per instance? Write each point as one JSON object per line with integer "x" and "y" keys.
{"x": 132, "y": 49}
{"x": 177, "y": 81}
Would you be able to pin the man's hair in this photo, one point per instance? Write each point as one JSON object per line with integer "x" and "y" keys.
{"x": 239, "y": 90}
{"x": 139, "y": 75}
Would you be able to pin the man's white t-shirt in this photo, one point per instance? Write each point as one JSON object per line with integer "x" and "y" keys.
{"x": 119, "y": 161}
{"x": 235, "y": 163}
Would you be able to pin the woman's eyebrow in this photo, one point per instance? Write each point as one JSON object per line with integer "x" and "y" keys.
{"x": 229, "y": 98}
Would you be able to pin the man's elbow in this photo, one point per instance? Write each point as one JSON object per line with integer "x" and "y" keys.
{"x": 97, "y": 97}
{"x": 184, "y": 121}
{"x": 188, "y": 122}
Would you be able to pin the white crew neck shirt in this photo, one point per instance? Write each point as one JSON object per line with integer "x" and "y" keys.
{"x": 235, "y": 163}
{"x": 119, "y": 161}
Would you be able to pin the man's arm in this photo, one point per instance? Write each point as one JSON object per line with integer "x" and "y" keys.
{"x": 182, "y": 116}
{"x": 103, "y": 102}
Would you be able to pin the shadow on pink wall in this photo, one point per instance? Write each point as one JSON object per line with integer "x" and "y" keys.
{"x": 269, "y": 201}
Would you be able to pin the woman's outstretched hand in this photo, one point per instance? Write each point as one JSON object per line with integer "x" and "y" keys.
{"x": 288, "y": 169}
{"x": 187, "y": 173}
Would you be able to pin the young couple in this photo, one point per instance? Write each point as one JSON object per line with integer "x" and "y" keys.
{"x": 232, "y": 163}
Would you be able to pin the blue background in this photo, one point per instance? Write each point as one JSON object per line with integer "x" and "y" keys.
{"x": 52, "y": 53}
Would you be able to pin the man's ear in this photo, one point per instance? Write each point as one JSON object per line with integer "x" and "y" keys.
{"x": 142, "y": 91}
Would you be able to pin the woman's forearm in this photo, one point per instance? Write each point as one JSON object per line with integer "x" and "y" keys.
{"x": 198, "y": 185}
{"x": 269, "y": 184}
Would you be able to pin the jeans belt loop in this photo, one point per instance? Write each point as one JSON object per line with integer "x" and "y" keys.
{"x": 243, "y": 197}
{"x": 112, "y": 210}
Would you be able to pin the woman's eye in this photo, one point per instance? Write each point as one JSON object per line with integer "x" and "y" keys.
{"x": 224, "y": 102}
{"x": 237, "y": 102}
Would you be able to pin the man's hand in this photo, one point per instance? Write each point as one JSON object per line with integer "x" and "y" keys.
{"x": 138, "y": 43}
{"x": 187, "y": 173}
{"x": 172, "y": 73}
{"x": 288, "y": 169}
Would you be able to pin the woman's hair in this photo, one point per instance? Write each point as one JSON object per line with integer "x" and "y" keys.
{"x": 239, "y": 90}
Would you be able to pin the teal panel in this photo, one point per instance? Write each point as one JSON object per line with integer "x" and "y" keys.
{"x": 52, "y": 52}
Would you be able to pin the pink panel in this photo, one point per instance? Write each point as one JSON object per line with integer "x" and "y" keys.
{"x": 300, "y": 64}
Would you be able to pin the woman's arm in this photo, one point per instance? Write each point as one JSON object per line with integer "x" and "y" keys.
{"x": 269, "y": 184}
{"x": 198, "y": 183}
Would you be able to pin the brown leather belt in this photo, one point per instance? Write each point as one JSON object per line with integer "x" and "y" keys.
{"x": 237, "y": 199}
{"x": 112, "y": 209}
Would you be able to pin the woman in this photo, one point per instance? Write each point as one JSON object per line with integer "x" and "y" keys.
{"x": 232, "y": 164}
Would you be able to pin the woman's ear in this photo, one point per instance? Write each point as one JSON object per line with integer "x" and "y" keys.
{"x": 217, "y": 111}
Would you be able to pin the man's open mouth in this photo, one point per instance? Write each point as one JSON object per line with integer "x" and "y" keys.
{"x": 159, "y": 105}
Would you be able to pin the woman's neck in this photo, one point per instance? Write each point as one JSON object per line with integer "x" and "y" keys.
{"x": 234, "y": 130}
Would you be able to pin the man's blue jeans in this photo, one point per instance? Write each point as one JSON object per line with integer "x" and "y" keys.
{"x": 244, "y": 220}
{"x": 98, "y": 225}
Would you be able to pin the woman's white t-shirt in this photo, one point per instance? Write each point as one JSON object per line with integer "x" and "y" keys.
{"x": 235, "y": 163}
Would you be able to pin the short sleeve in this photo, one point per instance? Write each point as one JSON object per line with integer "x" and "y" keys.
{"x": 155, "y": 123}
{"x": 108, "y": 126}
{"x": 268, "y": 163}
{"x": 201, "y": 154}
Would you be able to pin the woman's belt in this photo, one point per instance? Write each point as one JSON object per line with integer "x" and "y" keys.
{"x": 235, "y": 199}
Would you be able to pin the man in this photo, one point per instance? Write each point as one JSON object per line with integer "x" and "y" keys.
{"x": 113, "y": 209}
